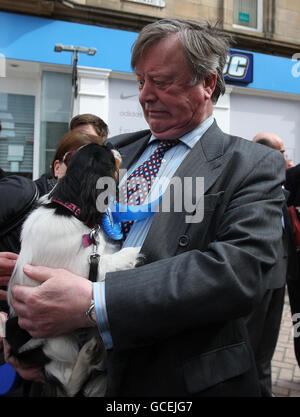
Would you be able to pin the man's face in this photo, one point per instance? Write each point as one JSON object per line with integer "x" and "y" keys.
{"x": 172, "y": 107}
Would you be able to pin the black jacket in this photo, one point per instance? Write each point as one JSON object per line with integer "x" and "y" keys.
{"x": 18, "y": 196}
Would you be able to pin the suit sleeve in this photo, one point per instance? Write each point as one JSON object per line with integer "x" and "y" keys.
{"x": 198, "y": 288}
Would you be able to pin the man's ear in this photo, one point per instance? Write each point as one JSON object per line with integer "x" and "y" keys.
{"x": 210, "y": 85}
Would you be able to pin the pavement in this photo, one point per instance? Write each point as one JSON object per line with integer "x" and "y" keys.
{"x": 285, "y": 370}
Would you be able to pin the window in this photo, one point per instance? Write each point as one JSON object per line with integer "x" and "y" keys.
{"x": 16, "y": 133}
{"x": 247, "y": 14}
{"x": 55, "y": 114}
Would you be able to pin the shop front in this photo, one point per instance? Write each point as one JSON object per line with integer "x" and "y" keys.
{"x": 37, "y": 90}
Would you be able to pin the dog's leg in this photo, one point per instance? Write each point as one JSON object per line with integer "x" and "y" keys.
{"x": 126, "y": 258}
{"x": 63, "y": 352}
{"x": 91, "y": 360}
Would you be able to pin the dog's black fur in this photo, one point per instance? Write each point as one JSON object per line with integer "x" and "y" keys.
{"x": 79, "y": 185}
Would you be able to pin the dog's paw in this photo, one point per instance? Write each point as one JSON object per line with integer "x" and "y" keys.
{"x": 140, "y": 260}
{"x": 131, "y": 257}
{"x": 126, "y": 258}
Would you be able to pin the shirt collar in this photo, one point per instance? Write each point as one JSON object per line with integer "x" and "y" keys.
{"x": 191, "y": 138}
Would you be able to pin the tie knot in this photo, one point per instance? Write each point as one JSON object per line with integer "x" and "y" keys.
{"x": 167, "y": 144}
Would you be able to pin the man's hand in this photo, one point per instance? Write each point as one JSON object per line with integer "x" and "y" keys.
{"x": 55, "y": 307}
{"x": 28, "y": 372}
{"x": 7, "y": 264}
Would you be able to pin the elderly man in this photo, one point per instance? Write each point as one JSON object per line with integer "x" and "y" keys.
{"x": 273, "y": 141}
{"x": 175, "y": 326}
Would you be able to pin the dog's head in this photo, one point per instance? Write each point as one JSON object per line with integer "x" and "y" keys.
{"x": 80, "y": 185}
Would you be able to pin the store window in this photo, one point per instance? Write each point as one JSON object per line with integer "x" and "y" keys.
{"x": 16, "y": 133}
{"x": 55, "y": 114}
{"x": 247, "y": 14}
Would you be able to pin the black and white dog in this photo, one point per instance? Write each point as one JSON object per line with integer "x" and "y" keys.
{"x": 52, "y": 236}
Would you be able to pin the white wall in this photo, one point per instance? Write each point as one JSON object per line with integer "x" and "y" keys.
{"x": 252, "y": 114}
{"x": 125, "y": 112}
{"x": 222, "y": 111}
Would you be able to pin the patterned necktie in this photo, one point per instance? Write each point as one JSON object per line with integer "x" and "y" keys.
{"x": 138, "y": 184}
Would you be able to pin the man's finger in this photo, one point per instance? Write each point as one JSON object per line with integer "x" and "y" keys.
{"x": 20, "y": 295}
{"x": 7, "y": 266}
{"x": 3, "y": 295}
{"x": 4, "y": 280}
{"x": 39, "y": 273}
{"x": 9, "y": 255}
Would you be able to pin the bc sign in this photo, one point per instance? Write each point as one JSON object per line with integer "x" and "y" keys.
{"x": 239, "y": 67}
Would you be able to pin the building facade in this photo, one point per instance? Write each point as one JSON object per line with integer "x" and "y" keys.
{"x": 38, "y": 87}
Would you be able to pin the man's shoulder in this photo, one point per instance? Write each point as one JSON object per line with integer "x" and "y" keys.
{"x": 252, "y": 149}
{"x": 127, "y": 138}
{"x": 216, "y": 141}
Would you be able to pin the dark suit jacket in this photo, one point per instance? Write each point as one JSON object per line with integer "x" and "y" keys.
{"x": 177, "y": 322}
{"x": 292, "y": 184}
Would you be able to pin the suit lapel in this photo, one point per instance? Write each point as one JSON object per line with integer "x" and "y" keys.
{"x": 204, "y": 158}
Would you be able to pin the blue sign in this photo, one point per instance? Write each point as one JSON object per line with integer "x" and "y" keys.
{"x": 239, "y": 67}
{"x": 31, "y": 38}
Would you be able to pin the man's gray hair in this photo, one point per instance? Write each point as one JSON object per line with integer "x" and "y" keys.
{"x": 206, "y": 47}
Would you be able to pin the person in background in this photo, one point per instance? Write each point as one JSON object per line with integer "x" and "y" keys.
{"x": 264, "y": 322}
{"x": 273, "y": 141}
{"x": 89, "y": 123}
{"x": 19, "y": 203}
{"x": 19, "y": 194}
{"x": 292, "y": 185}
{"x": 176, "y": 325}
{"x": 84, "y": 123}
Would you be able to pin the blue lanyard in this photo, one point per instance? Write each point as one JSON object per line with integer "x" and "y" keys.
{"x": 117, "y": 213}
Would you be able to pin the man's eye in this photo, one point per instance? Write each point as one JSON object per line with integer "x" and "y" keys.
{"x": 140, "y": 84}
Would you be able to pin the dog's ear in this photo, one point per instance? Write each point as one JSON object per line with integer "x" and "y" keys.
{"x": 88, "y": 196}
{"x": 102, "y": 164}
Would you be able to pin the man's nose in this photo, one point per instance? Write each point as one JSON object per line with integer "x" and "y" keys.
{"x": 147, "y": 92}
